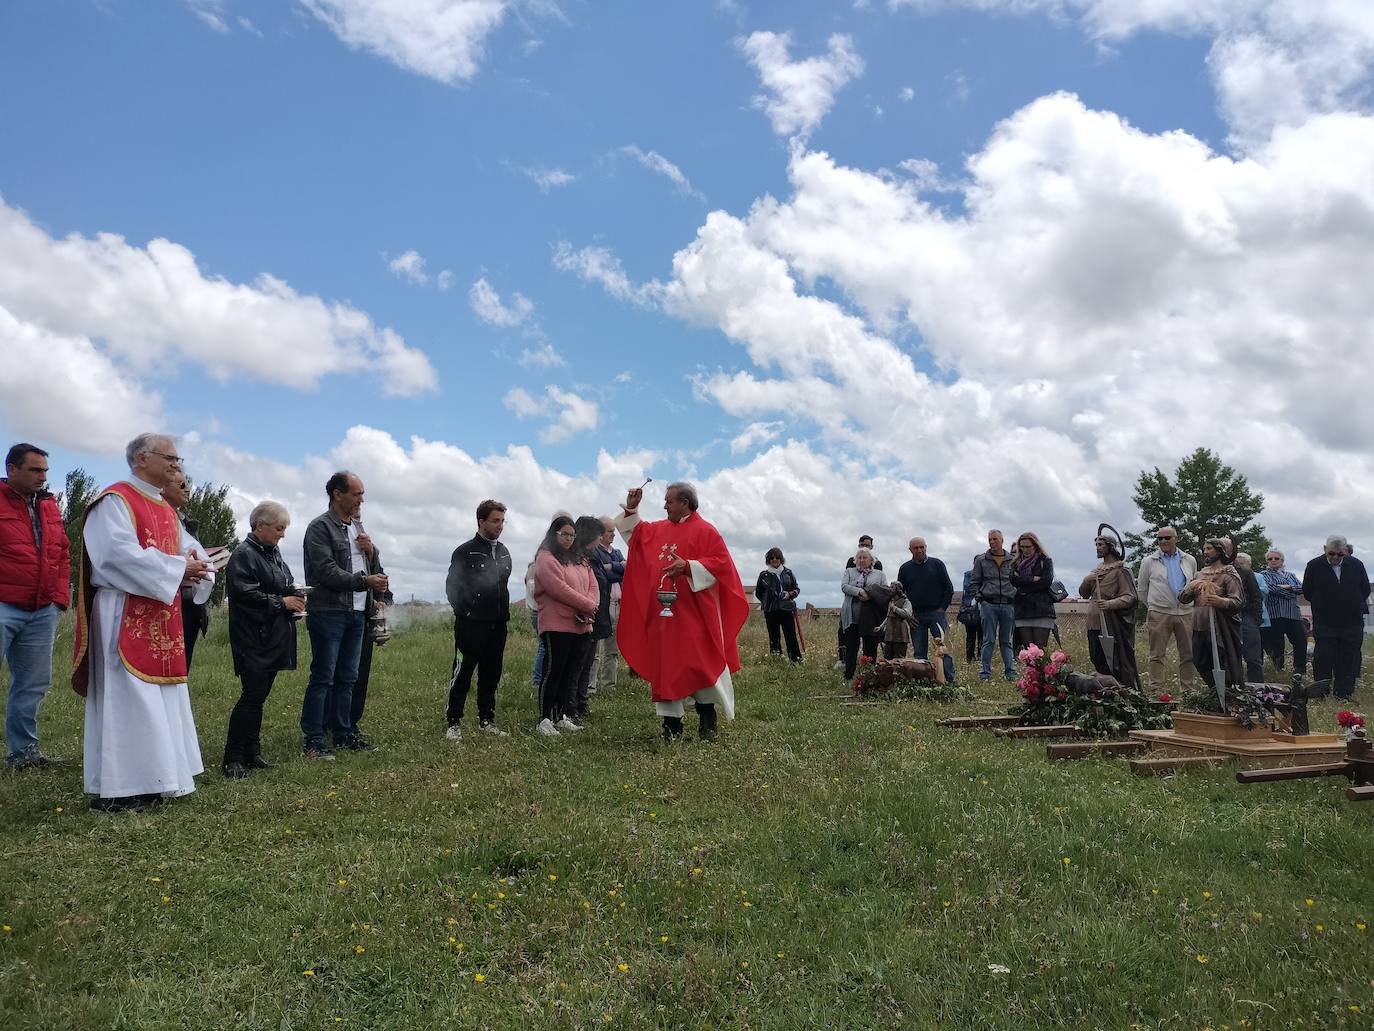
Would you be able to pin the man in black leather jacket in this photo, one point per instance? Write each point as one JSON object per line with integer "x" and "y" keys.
{"x": 338, "y": 556}
{"x": 478, "y": 588}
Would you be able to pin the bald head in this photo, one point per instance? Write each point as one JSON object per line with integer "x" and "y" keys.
{"x": 917, "y": 546}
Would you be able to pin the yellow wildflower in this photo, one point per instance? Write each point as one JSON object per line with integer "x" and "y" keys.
{"x": 359, "y": 950}
{"x": 479, "y": 978}
{"x": 553, "y": 876}
{"x": 308, "y": 973}
{"x": 622, "y": 967}
{"x": 1202, "y": 957}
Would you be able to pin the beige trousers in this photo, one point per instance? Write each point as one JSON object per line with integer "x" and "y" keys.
{"x": 1160, "y": 629}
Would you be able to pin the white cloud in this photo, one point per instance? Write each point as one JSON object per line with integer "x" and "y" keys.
{"x": 907, "y": 94}
{"x": 150, "y": 308}
{"x": 211, "y": 12}
{"x": 570, "y": 414}
{"x": 78, "y": 397}
{"x": 1275, "y": 62}
{"x": 599, "y": 265}
{"x": 409, "y": 265}
{"x": 487, "y": 305}
{"x": 545, "y": 356}
{"x": 799, "y": 93}
{"x": 444, "y": 280}
{"x": 549, "y": 178}
{"x": 439, "y": 39}
{"x": 754, "y": 434}
{"x": 656, "y": 162}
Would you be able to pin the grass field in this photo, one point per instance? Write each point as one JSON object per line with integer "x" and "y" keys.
{"x": 818, "y": 866}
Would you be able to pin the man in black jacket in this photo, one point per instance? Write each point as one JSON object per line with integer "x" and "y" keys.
{"x": 1337, "y": 587}
{"x": 478, "y": 588}
{"x": 930, "y": 590}
{"x": 337, "y": 558}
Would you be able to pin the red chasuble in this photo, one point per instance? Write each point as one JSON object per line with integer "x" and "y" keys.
{"x": 152, "y": 642}
{"x": 682, "y": 654}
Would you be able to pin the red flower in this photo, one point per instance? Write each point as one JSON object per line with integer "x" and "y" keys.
{"x": 1033, "y": 693}
{"x": 864, "y": 660}
{"x": 1165, "y": 697}
{"x": 1063, "y": 694}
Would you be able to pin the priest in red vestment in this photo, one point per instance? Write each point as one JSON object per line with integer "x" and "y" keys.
{"x": 691, "y": 653}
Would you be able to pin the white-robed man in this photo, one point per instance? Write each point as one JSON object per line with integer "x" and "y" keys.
{"x": 130, "y": 661}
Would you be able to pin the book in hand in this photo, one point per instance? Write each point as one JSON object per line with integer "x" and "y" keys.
{"x": 218, "y": 557}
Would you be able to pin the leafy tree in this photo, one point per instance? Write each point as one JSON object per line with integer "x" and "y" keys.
{"x": 215, "y": 526}
{"x": 1205, "y": 498}
{"x": 77, "y": 494}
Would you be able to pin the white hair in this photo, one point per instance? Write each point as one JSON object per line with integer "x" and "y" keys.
{"x": 1336, "y": 541}
{"x": 861, "y": 553}
{"x": 145, "y": 443}
{"x": 269, "y": 512}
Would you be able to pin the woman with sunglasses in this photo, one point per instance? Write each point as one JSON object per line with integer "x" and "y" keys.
{"x": 1032, "y": 573}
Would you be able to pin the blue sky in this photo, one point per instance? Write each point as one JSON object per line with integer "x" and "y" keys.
{"x": 262, "y": 139}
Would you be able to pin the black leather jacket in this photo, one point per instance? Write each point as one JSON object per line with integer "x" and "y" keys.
{"x": 262, "y": 634}
{"x": 329, "y": 565}
{"x": 478, "y": 585}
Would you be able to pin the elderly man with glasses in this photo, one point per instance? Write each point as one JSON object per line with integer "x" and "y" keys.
{"x": 1336, "y": 585}
{"x": 1163, "y": 574}
{"x": 141, "y": 743}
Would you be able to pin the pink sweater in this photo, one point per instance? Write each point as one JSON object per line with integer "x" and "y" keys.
{"x": 561, "y": 592}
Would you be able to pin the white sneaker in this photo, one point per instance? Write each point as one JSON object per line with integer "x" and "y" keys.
{"x": 546, "y": 728}
{"x": 454, "y": 733}
{"x": 566, "y": 723}
{"x": 494, "y": 730}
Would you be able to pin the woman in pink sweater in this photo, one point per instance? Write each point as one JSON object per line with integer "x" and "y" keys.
{"x": 566, "y": 593}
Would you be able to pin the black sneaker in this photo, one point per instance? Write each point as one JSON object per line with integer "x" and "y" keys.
{"x": 357, "y": 743}
{"x": 235, "y": 770}
{"x": 318, "y": 753}
{"x": 29, "y": 759}
{"x": 672, "y": 728}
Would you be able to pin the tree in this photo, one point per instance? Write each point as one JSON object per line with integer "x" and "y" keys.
{"x": 78, "y": 492}
{"x": 215, "y": 525}
{"x": 1204, "y": 499}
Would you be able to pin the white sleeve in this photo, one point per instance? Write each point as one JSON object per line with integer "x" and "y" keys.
{"x": 200, "y": 592}
{"x": 701, "y": 578}
{"x": 119, "y": 561}
{"x": 626, "y": 523}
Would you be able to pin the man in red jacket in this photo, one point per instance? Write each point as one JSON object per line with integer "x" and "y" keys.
{"x": 35, "y": 586}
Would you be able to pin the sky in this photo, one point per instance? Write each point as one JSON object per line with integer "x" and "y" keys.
{"x": 913, "y": 267}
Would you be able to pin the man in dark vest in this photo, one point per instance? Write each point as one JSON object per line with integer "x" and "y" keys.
{"x": 478, "y": 588}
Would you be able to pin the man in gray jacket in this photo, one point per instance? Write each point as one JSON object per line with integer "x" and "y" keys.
{"x": 1164, "y": 573}
{"x": 991, "y": 585}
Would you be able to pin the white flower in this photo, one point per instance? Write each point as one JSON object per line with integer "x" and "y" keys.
{"x": 998, "y": 968}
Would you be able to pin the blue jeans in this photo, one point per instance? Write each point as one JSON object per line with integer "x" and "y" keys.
{"x": 998, "y": 621}
{"x": 26, "y": 644}
{"x": 336, "y": 644}
{"x": 927, "y": 623}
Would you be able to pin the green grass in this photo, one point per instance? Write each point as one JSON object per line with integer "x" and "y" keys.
{"x": 818, "y": 866}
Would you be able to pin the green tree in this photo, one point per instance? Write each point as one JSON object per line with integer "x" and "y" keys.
{"x": 215, "y": 525}
{"x": 78, "y": 492}
{"x": 1205, "y": 498}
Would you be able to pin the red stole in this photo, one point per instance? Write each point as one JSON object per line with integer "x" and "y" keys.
{"x": 152, "y": 642}
{"x": 682, "y": 654}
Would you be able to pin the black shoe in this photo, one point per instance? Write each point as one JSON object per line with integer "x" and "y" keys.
{"x": 672, "y": 728}
{"x": 32, "y": 759}
{"x": 235, "y": 770}
{"x": 121, "y": 804}
{"x": 319, "y": 753}
{"x": 356, "y": 743}
{"x": 706, "y": 729}
{"x": 257, "y": 762}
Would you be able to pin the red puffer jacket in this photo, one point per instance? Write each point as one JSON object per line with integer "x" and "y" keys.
{"x": 24, "y": 581}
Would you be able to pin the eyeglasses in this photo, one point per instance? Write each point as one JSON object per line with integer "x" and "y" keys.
{"x": 171, "y": 458}
{"x": 1164, "y": 538}
{"x": 566, "y": 534}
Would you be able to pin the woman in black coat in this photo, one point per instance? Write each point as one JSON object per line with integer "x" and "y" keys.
{"x": 264, "y": 605}
{"x": 777, "y": 593}
{"x": 1032, "y": 574}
